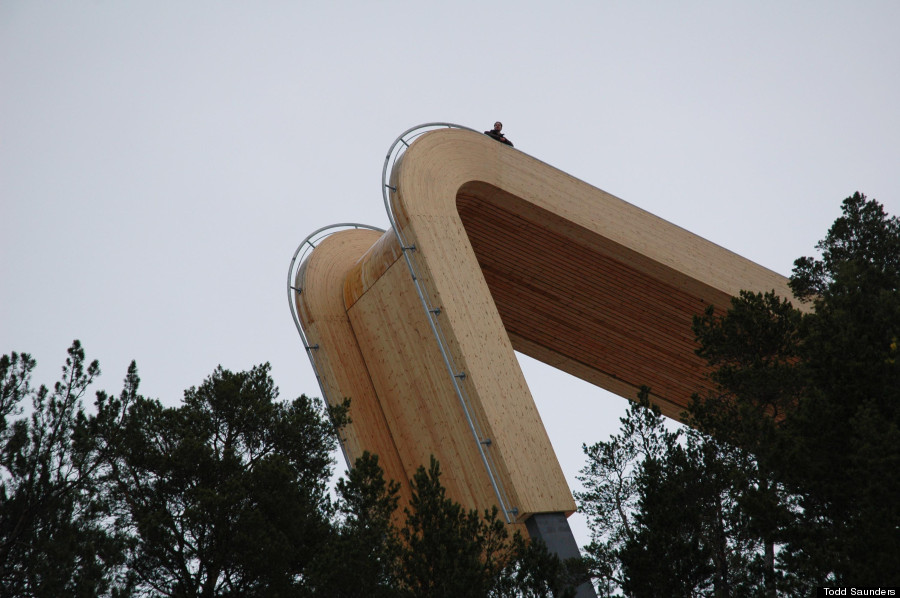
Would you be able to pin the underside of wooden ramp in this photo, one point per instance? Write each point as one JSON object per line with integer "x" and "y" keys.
{"x": 510, "y": 254}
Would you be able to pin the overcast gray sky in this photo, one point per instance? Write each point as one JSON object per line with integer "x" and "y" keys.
{"x": 160, "y": 161}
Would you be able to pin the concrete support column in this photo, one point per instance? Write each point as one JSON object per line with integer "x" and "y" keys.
{"x": 554, "y": 530}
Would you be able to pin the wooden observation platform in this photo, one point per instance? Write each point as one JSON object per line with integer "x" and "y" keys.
{"x": 494, "y": 251}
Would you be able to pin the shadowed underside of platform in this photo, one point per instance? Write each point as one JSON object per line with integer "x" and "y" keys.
{"x": 581, "y": 305}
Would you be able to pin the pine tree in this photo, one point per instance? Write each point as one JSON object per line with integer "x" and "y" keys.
{"x": 224, "y": 495}
{"x": 664, "y": 513}
{"x": 54, "y": 539}
{"x": 754, "y": 349}
{"x": 846, "y": 432}
{"x": 360, "y": 559}
{"x": 611, "y": 495}
{"x": 448, "y": 551}
{"x": 789, "y": 474}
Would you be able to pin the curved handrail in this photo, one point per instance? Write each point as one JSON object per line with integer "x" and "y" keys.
{"x": 307, "y": 245}
{"x": 432, "y": 313}
{"x": 395, "y": 151}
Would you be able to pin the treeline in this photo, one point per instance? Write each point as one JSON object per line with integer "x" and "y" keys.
{"x": 786, "y": 478}
{"x": 225, "y": 495}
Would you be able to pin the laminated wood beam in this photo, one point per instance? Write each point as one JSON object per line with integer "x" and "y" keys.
{"x": 514, "y": 255}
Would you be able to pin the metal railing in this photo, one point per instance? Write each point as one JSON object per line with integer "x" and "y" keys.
{"x": 432, "y": 313}
{"x": 305, "y": 247}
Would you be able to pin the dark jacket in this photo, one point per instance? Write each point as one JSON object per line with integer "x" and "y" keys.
{"x": 499, "y": 137}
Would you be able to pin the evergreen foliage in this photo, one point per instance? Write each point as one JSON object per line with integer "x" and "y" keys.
{"x": 451, "y": 552}
{"x": 845, "y": 459}
{"x": 788, "y": 476}
{"x": 55, "y": 538}
{"x": 663, "y": 508}
{"x": 433, "y": 549}
{"x": 360, "y": 560}
{"x": 227, "y": 495}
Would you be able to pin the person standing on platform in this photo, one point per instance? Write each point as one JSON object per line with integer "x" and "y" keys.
{"x": 496, "y": 134}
